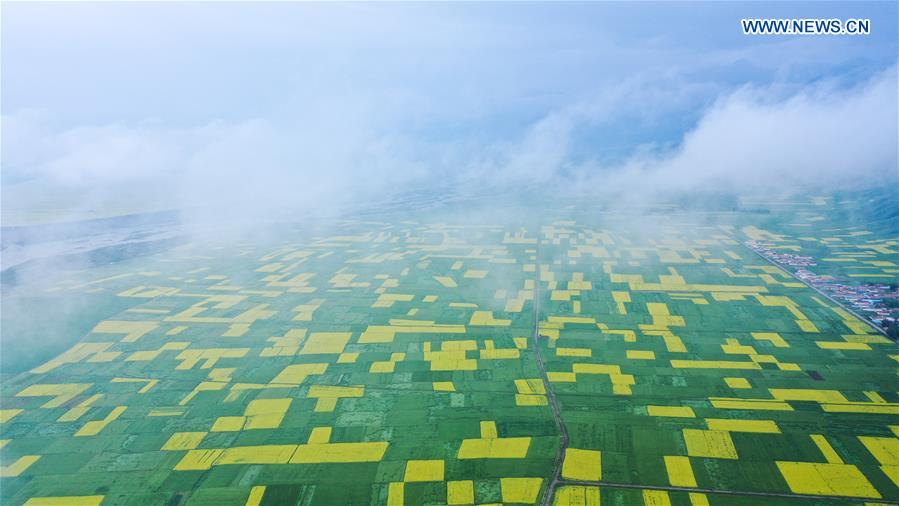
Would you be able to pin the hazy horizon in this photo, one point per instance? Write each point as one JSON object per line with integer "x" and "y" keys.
{"x": 323, "y": 107}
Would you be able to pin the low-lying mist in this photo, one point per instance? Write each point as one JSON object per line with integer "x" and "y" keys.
{"x": 332, "y": 161}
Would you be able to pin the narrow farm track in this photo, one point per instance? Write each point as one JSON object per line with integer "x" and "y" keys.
{"x": 745, "y": 493}
{"x": 549, "y": 491}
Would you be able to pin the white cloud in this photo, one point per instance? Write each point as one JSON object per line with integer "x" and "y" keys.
{"x": 350, "y": 150}
{"x": 328, "y": 160}
{"x": 757, "y": 141}
{"x": 752, "y": 140}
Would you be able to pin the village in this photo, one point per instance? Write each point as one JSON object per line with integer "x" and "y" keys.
{"x": 869, "y": 299}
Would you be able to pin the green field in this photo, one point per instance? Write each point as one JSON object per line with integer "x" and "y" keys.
{"x": 396, "y": 359}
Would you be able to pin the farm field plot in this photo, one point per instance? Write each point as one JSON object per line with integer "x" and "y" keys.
{"x": 409, "y": 360}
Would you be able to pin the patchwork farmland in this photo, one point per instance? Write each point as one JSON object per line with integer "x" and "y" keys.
{"x": 416, "y": 361}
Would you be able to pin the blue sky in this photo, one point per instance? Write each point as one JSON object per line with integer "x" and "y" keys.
{"x": 166, "y": 97}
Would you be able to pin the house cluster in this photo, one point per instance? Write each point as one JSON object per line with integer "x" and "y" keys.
{"x": 869, "y": 300}
{"x": 787, "y": 259}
